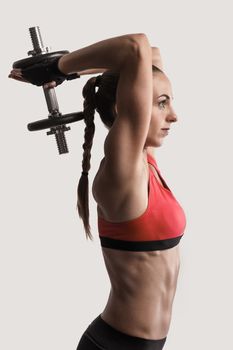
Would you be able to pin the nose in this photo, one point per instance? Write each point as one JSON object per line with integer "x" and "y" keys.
{"x": 172, "y": 116}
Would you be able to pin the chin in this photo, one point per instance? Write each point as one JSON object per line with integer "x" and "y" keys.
{"x": 158, "y": 145}
{"x": 154, "y": 143}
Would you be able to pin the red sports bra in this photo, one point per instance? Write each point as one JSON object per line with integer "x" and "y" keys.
{"x": 160, "y": 227}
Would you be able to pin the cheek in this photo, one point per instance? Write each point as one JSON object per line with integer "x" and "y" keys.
{"x": 155, "y": 121}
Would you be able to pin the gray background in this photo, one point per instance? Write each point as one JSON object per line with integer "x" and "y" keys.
{"x": 53, "y": 281}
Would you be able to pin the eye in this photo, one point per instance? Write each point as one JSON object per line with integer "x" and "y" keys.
{"x": 162, "y": 102}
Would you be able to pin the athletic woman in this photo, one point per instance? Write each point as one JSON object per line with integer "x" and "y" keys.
{"x": 140, "y": 222}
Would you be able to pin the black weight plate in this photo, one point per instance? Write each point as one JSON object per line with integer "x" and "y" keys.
{"x": 26, "y": 62}
{"x": 55, "y": 121}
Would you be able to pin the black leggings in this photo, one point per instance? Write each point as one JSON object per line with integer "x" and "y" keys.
{"x": 99, "y": 335}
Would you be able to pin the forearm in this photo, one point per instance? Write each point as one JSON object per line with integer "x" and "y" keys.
{"x": 156, "y": 60}
{"x": 110, "y": 54}
{"x": 92, "y": 71}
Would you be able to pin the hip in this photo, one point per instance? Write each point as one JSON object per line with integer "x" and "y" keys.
{"x": 101, "y": 336}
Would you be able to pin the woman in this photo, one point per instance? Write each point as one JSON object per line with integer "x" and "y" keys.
{"x": 139, "y": 220}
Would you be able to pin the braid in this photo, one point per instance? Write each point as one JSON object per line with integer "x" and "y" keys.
{"x": 83, "y": 186}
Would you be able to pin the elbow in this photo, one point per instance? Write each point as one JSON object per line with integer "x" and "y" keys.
{"x": 140, "y": 43}
{"x": 135, "y": 45}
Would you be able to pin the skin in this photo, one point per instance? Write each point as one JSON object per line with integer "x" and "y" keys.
{"x": 143, "y": 284}
{"x": 163, "y": 114}
{"x": 17, "y": 75}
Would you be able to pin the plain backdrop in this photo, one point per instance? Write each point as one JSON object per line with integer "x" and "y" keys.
{"x": 53, "y": 281}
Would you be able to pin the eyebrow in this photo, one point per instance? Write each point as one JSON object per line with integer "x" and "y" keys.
{"x": 168, "y": 97}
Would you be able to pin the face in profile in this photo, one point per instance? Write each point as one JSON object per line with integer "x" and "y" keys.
{"x": 163, "y": 114}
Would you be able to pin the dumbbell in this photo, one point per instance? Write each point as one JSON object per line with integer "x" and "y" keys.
{"x": 56, "y": 120}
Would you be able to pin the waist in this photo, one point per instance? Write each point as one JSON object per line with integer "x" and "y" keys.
{"x": 142, "y": 293}
{"x": 139, "y": 318}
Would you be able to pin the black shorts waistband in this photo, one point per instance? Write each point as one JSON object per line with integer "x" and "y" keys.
{"x": 110, "y": 338}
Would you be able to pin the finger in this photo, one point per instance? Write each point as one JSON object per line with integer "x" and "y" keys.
{"x": 17, "y": 69}
{"x": 50, "y": 85}
{"x": 18, "y": 78}
{"x": 13, "y": 73}
{"x": 17, "y": 74}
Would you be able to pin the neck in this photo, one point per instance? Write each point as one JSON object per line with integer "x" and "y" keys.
{"x": 150, "y": 151}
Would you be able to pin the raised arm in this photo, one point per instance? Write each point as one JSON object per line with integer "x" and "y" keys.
{"x": 98, "y": 57}
{"x": 156, "y": 60}
{"x": 132, "y": 56}
{"x": 103, "y": 55}
{"x": 94, "y": 59}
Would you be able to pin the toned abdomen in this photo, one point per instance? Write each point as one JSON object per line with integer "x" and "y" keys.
{"x": 143, "y": 286}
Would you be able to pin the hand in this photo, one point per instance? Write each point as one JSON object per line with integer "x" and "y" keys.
{"x": 17, "y": 75}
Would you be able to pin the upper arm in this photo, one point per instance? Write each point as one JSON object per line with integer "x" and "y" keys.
{"x": 125, "y": 141}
